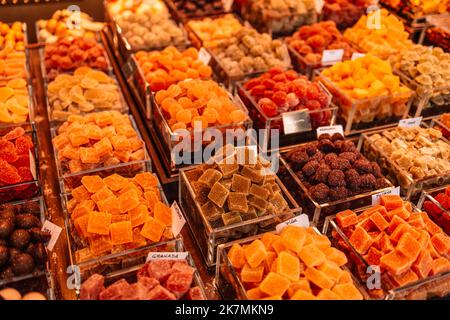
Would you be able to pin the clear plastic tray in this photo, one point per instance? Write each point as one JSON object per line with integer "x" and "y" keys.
{"x": 41, "y": 283}
{"x": 208, "y": 238}
{"x": 430, "y": 287}
{"x": 317, "y": 212}
{"x": 429, "y": 195}
{"x": 115, "y": 268}
{"x": 410, "y": 188}
{"x": 29, "y": 189}
{"x": 262, "y": 121}
{"x": 361, "y": 115}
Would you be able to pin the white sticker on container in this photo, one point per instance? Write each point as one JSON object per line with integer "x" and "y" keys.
{"x": 410, "y": 123}
{"x": 330, "y": 57}
{"x": 227, "y": 5}
{"x": 32, "y": 164}
{"x": 296, "y": 121}
{"x": 330, "y": 130}
{"x": 357, "y": 55}
{"x": 178, "y": 220}
{"x": 152, "y": 256}
{"x": 392, "y": 191}
{"x": 204, "y": 56}
{"x": 54, "y": 230}
{"x": 319, "y": 5}
{"x": 299, "y": 221}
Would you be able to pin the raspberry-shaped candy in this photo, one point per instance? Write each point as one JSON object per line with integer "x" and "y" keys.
{"x": 8, "y": 174}
{"x": 8, "y": 151}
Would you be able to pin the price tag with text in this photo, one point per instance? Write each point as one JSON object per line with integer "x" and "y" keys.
{"x": 152, "y": 256}
{"x": 296, "y": 121}
{"x": 299, "y": 221}
{"x": 410, "y": 123}
{"x": 330, "y": 130}
{"x": 54, "y": 230}
{"x": 393, "y": 191}
{"x": 357, "y": 55}
{"x": 178, "y": 220}
{"x": 204, "y": 56}
{"x": 330, "y": 57}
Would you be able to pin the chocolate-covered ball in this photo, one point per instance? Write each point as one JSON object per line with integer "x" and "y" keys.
{"x": 22, "y": 263}
{"x": 330, "y": 158}
{"x": 362, "y": 166}
{"x": 310, "y": 168}
{"x": 322, "y": 173}
{"x": 349, "y": 156}
{"x": 37, "y": 235}
{"x": 336, "y": 136}
{"x": 40, "y": 254}
{"x": 19, "y": 238}
{"x": 352, "y": 178}
{"x": 338, "y": 193}
{"x": 348, "y": 146}
{"x": 340, "y": 164}
{"x": 367, "y": 181}
{"x": 6, "y": 227}
{"x": 320, "y": 192}
{"x": 27, "y": 221}
{"x": 7, "y": 273}
{"x": 4, "y": 255}
{"x": 336, "y": 178}
{"x": 325, "y": 145}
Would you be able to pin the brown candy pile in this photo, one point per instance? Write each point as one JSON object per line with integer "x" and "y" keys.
{"x": 198, "y": 8}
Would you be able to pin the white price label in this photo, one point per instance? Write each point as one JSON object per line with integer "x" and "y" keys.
{"x": 227, "y": 4}
{"x": 204, "y": 56}
{"x": 376, "y": 197}
{"x": 152, "y": 256}
{"x": 54, "y": 230}
{"x": 330, "y": 57}
{"x": 299, "y": 221}
{"x": 410, "y": 123}
{"x": 178, "y": 220}
{"x": 32, "y": 164}
{"x": 319, "y": 5}
{"x": 357, "y": 55}
{"x": 296, "y": 121}
{"x": 330, "y": 130}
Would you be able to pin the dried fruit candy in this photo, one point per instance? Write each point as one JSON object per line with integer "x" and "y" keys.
{"x": 211, "y": 30}
{"x": 12, "y": 36}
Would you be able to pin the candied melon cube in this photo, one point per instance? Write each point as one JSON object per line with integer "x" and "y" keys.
{"x": 347, "y": 291}
{"x": 237, "y": 256}
{"x": 311, "y": 255}
{"x": 93, "y": 132}
{"x": 379, "y": 221}
{"x": 273, "y": 298}
{"x": 255, "y": 294}
{"x": 138, "y": 215}
{"x": 84, "y": 207}
{"x": 301, "y": 284}
{"x": 93, "y": 183}
{"x": 252, "y": 275}
{"x": 321, "y": 241}
{"x": 331, "y": 269}
{"x": 120, "y": 143}
{"x": 255, "y": 253}
{"x": 279, "y": 245}
{"x": 163, "y": 213}
{"x": 102, "y": 194}
{"x": 431, "y": 227}
{"x": 422, "y": 266}
{"x": 268, "y": 238}
{"x": 128, "y": 200}
{"x": 294, "y": 237}
{"x": 391, "y": 202}
{"x": 395, "y": 222}
{"x": 115, "y": 182}
{"x": 361, "y": 240}
{"x": 395, "y": 262}
{"x": 81, "y": 224}
{"x": 274, "y": 284}
{"x": 121, "y": 232}
{"x": 439, "y": 265}
{"x": 303, "y": 295}
{"x": 146, "y": 180}
{"x": 81, "y": 193}
{"x": 401, "y": 212}
{"x": 345, "y": 277}
{"x": 99, "y": 223}
{"x": 319, "y": 278}
{"x": 288, "y": 266}
{"x": 409, "y": 247}
{"x": 99, "y": 245}
{"x": 373, "y": 256}
{"x": 346, "y": 218}
{"x": 270, "y": 259}
{"x": 110, "y": 205}
{"x": 336, "y": 256}
{"x": 405, "y": 278}
{"x": 152, "y": 199}
{"x": 399, "y": 232}
{"x": 153, "y": 229}
{"x": 103, "y": 147}
{"x": 89, "y": 155}
{"x": 441, "y": 243}
{"x": 102, "y": 118}
{"x": 327, "y": 294}
{"x": 77, "y": 138}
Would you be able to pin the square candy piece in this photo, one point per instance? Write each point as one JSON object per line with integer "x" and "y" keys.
{"x": 231, "y": 218}
{"x": 237, "y": 202}
{"x": 259, "y": 203}
{"x": 256, "y": 175}
{"x": 278, "y": 202}
{"x": 210, "y": 177}
{"x": 121, "y": 232}
{"x": 218, "y": 194}
{"x": 240, "y": 184}
{"x": 258, "y": 191}
{"x": 228, "y": 169}
{"x": 99, "y": 223}
{"x": 209, "y": 209}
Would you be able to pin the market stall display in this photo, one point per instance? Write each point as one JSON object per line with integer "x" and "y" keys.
{"x": 15, "y": 102}
{"x": 345, "y": 13}
{"x": 186, "y": 9}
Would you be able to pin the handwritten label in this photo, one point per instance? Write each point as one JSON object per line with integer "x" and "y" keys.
{"x": 319, "y": 5}
{"x": 330, "y": 130}
{"x": 357, "y": 55}
{"x": 376, "y": 197}
{"x": 178, "y": 220}
{"x": 54, "y": 230}
{"x": 32, "y": 164}
{"x": 330, "y": 57}
{"x": 296, "y": 121}
{"x": 299, "y": 221}
{"x": 227, "y": 5}
{"x": 410, "y": 123}
{"x": 152, "y": 256}
{"x": 204, "y": 56}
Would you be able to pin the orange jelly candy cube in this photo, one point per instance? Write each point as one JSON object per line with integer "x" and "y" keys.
{"x": 319, "y": 278}
{"x": 346, "y": 218}
{"x": 110, "y": 205}
{"x": 252, "y": 275}
{"x": 303, "y": 295}
{"x": 102, "y": 194}
{"x": 255, "y": 294}
{"x": 327, "y": 294}
{"x": 405, "y": 278}
{"x": 347, "y": 291}
{"x": 401, "y": 212}
{"x": 422, "y": 266}
{"x": 270, "y": 259}
{"x": 163, "y": 213}
{"x": 81, "y": 224}
{"x": 103, "y": 147}
{"x": 78, "y": 139}
{"x": 274, "y": 284}
{"x": 391, "y": 202}
{"x": 439, "y": 265}
{"x": 99, "y": 223}
{"x": 361, "y": 240}
{"x": 92, "y": 183}
{"x": 120, "y": 143}
{"x": 102, "y": 118}
{"x": 441, "y": 243}
{"x": 268, "y": 238}
{"x": 255, "y": 253}
{"x": 331, "y": 269}
{"x": 294, "y": 237}
{"x": 395, "y": 263}
{"x": 121, "y": 232}
{"x": 146, "y": 179}
{"x": 288, "y": 266}
{"x": 301, "y": 284}
{"x": 379, "y": 221}
{"x": 84, "y": 207}
{"x": 99, "y": 245}
{"x": 89, "y": 155}
{"x": 237, "y": 256}
{"x": 81, "y": 193}
{"x": 152, "y": 198}
{"x": 311, "y": 255}
{"x": 115, "y": 182}
{"x": 93, "y": 132}
{"x": 152, "y": 229}
{"x": 336, "y": 256}
{"x": 139, "y": 215}
{"x": 409, "y": 247}
{"x": 128, "y": 201}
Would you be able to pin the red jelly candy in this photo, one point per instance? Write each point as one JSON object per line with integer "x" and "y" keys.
{"x": 291, "y": 74}
{"x": 23, "y": 161}
{"x": 268, "y": 107}
{"x": 268, "y": 94}
{"x": 252, "y": 83}
{"x": 23, "y": 144}
{"x": 313, "y": 105}
{"x": 268, "y": 83}
{"x": 275, "y": 71}
{"x": 8, "y": 174}
{"x": 14, "y": 134}
{"x": 279, "y": 98}
{"x": 280, "y": 78}
{"x": 280, "y": 86}
{"x": 25, "y": 174}
{"x": 312, "y": 92}
{"x": 8, "y": 151}
{"x": 258, "y": 90}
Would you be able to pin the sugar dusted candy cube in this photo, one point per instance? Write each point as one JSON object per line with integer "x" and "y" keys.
{"x": 277, "y": 200}
{"x": 260, "y": 192}
{"x": 231, "y": 218}
{"x": 218, "y": 194}
{"x": 256, "y": 175}
{"x": 153, "y": 229}
{"x": 128, "y": 200}
{"x": 210, "y": 209}
{"x": 121, "y": 232}
{"x": 210, "y": 177}
{"x": 257, "y": 202}
{"x": 93, "y": 183}
{"x": 228, "y": 169}
{"x": 237, "y": 202}
{"x": 99, "y": 223}
{"x": 163, "y": 213}
{"x": 240, "y": 184}
{"x": 115, "y": 182}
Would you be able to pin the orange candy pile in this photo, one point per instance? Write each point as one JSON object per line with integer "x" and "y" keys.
{"x": 298, "y": 264}
{"x": 408, "y": 246}
{"x": 119, "y": 213}
{"x": 12, "y": 64}
{"x": 202, "y": 101}
{"x": 98, "y": 139}
{"x": 170, "y": 66}
{"x": 12, "y": 36}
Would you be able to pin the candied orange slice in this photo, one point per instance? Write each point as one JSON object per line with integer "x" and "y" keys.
{"x": 152, "y": 229}
{"x": 93, "y": 183}
{"x": 99, "y": 223}
{"x": 121, "y": 232}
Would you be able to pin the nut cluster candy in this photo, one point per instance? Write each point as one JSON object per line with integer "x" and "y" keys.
{"x": 85, "y": 91}
{"x": 280, "y": 91}
{"x": 13, "y": 294}
{"x": 12, "y": 36}
{"x": 98, "y": 139}
{"x": 14, "y": 101}
{"x": 310, "y": 41}
{"x": 202, "y": 101}
{"x": 408, "y": 246}
{"x": 298, "y": 264}
{"x": 149, "y": 26}
{"x": 279, "y": 16}
{"x": 418, "y": 151}
{"x": 156, "y": 280}
{"x": 211, "y": 30}
{"x": 69, "y": 54}
{"x": 345, "y": 13}
{"x": 170, "y": 66}
{"x": 333, "y": 169}
{"x": 22, "y": 242}
{"x": 12, "y": 65}
{"x": 236, "y": 188}
{"x": 385, "y": 39}
{"x": 198, "y": 8}
{"x": 65, "y": 23}
{"x": 418, "y": 8}
{"x": 248, "y": 51}
{"x": 430, "y": 69}
{"x": 117, "y": 213}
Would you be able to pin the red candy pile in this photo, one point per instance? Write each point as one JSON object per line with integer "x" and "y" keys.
{"x": 441, "y": 217}
{"x": 279, "y": 91}
{"x": 69, "y": 54}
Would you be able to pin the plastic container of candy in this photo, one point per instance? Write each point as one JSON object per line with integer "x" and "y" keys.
{"x": 433, "y": 202}
{"x": 42, "y": 284}
{"x": 21, "y": 116}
